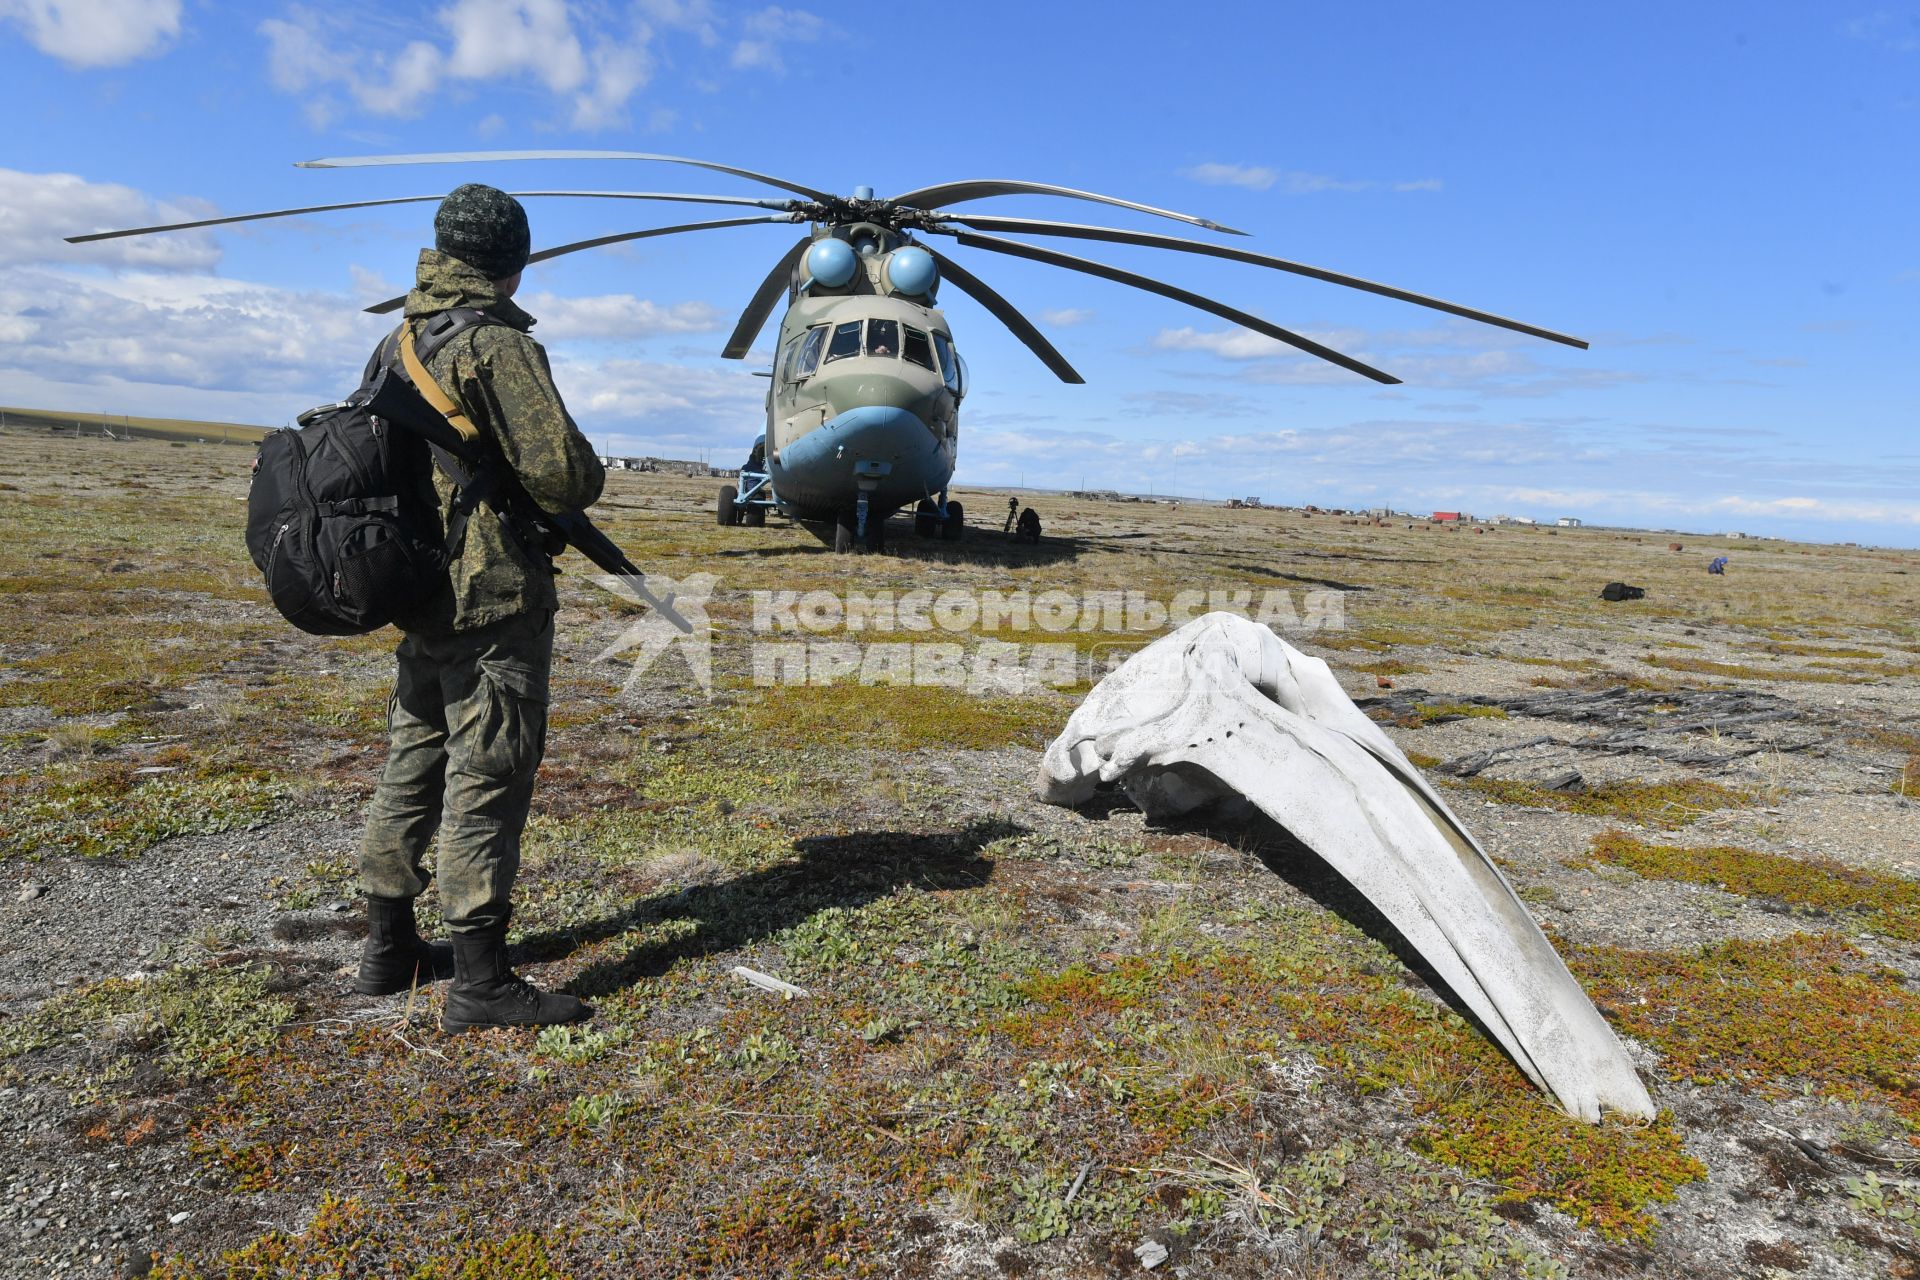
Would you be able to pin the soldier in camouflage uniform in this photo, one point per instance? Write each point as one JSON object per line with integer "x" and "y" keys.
{"x": 468, "y": 719}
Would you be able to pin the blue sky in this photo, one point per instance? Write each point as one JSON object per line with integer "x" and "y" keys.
{"x": 1720, "y": 197}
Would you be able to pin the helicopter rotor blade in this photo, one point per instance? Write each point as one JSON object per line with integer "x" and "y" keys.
{"x": 754, "y": 318}
{"x": 472, "y": 157}
{"x": 1003, "y": 311}
{"x": 394, "y": 304}
{"x": 1041, "y": 227}
{"x": 374, "y": 204}
{"x": 1036, "y": 254}
{"x": 980, "y": 188}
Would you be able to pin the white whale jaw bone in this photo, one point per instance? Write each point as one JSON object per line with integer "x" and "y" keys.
{"x": 1224, "y": 707}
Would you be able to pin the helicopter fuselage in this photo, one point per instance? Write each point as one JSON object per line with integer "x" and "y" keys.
{"x": 866, "y": 385}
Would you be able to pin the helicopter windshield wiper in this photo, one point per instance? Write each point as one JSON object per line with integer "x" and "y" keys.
{"x": 1042, "y": 227}
{"x": 472, "y": 157}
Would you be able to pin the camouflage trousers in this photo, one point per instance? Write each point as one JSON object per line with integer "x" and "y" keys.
{"x": 467, "y": 727}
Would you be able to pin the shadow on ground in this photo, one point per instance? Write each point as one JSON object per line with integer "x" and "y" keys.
{"x": 1237, "y": 823}
{"x": 831, "y": 871}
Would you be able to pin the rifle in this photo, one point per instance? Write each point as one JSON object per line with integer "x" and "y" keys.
{"x": 403, "y": 393}
{"x": 578, "y": 532}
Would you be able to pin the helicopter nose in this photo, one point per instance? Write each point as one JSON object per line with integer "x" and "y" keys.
{"x": 888, "y": 390}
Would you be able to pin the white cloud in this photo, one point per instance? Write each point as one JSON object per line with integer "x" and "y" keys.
{"x": 769, "y": 31}
{"x": 652, "y": 396}
{"x": 684, "y": 15}
{"x": 1066, "y": 317}
{"x": 184, "y": 331}
{"x": 95, "y": 33}
{"x": 310, "y": 51}
{"x": 1887, "y": 29}
{"x": 506, "y": 37}
{"x": 1252, "y": 177}
{"x": 1296, "y": 182}
{"x": 38, "y": 209}
{"x": 301, "y": 60}
{"x": 619, "y": 72}
{"x": 620, "y": 316}
{"x": 1301, "y": 184}
{"x": 1245, "y": 344}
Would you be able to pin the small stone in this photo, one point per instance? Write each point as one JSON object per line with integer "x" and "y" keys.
{"x": 340, "y": 907}
{"x": 175, "y": 1219}
{"x": 1151, "y": 1254}
{"x": 28, "y": 892}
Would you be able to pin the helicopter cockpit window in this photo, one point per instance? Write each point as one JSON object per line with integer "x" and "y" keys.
{"x": 810, "y": 352}
{"x": 949, "y": 361}
{"x": 918, "y": 349}
{"x": 846, "y": 341}
{"x": 883, "y": 338}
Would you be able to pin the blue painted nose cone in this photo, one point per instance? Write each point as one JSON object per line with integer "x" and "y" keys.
{"x": 911, "y": 271}
{"x": 830, "y": 262}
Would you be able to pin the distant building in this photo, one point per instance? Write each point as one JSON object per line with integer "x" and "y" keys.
{"x": 1739, "y": 535}
{"x": 1445, "y": 517}
{"x": 1568, "y": 522}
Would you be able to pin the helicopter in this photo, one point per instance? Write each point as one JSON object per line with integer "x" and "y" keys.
{"x": 864, "y": 394}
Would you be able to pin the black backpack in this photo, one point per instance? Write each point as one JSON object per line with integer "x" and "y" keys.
{"x": 342, "y": 516}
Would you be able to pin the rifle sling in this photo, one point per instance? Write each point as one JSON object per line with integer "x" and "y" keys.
{"x": 475, "y": 480}
{"x": 430, "y": 389}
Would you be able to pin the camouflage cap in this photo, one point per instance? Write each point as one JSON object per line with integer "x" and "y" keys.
{"x": 485, "y": 228}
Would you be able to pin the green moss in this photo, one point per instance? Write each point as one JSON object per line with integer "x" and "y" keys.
{"x": 1805, "y": 1012}
{"x": 107, "y": 810}
{"x": 1391, "y": 667}
{"x": 1883, "y": 903}
{"x": 1477, "y": 1111}
{"x": 1733, "y": 671}
{"x": 1667, "y": 805}
{"x": 816, "y": 717}
{"x": 1792, "y": 649}
{"x": 203, "y": 1018}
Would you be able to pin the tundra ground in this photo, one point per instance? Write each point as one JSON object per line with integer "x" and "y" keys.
{"x": 1036, "y": 1041}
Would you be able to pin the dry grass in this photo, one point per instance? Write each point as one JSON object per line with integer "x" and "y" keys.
{"x": 1058, "y": 1032}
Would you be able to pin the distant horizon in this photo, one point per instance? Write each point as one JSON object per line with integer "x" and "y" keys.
{"x": 1325, "y": 505}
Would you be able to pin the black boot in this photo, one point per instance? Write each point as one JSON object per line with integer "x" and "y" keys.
{"x": 487, "y": 993}
{"x": 395, "y": 959}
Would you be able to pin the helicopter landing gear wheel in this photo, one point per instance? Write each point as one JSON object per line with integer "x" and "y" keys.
{"x": 955, "y": 523}
{"x": 843, "y": 532}
{"x": 724, "y": 512}
{"x": 753, "y": 517}
{"x": 926, "y": 518}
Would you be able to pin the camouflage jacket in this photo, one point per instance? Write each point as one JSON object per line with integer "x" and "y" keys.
{"x": 499, "y": 377}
